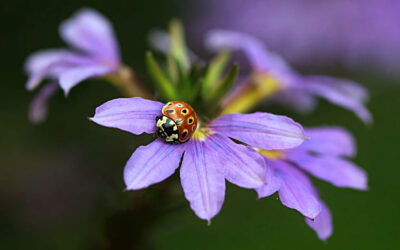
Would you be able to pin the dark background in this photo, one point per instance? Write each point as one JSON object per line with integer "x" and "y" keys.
{"x": 61, "y": 183}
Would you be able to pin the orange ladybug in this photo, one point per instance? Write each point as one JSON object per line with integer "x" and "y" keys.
{"x": 178, "y": 122}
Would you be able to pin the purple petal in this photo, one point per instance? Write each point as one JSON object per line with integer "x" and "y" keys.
{"x": 91, "y": 32}
{"x": 39, "y": 106}
{"x": 348, "y": 87}
{"x": 243, "y": 165}
{"x": 337, "y": 93}
{"x": 297, "y": 191}
{"x": 333, "y": 141}
{"x": 73, "y": 76}
{"x": 152, "y": 164}
{"x": 50, "y": 63}
{"x": 135, "y": 115}
{"x": 322, "y": 224}
{"x": 261, "y": 130}
{"x": 255, "y": 50}
{"x": 202, "y": 178}
{"x": 339, "y": 172}
{"x": 273, "y": 182}
{"x": 35, "y": 79}
{"x": 42, "y": 59}
{"x": 260, "y": 57}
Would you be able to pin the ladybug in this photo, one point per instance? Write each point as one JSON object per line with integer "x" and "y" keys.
{"x": 178, "y": 122}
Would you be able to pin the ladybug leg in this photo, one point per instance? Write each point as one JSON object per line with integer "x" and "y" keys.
{"x": 160, "y": 133}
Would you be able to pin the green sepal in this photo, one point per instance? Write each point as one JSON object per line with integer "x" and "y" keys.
{"x": 214, "y": 72}
{"x": 216, "y": 93}
{"x": 163, "y": 85}
{"x": 178, "y": 46}
{"x": 184, "y": 85}
{"x": 172, "y": 69}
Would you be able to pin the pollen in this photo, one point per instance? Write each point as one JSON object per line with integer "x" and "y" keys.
{"x": 201, "y": 133}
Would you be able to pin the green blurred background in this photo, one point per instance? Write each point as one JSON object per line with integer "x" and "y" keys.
{"x": 61, "y": 183}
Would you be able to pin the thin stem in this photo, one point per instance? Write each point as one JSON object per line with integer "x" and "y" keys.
{"x": 126, "y": 81}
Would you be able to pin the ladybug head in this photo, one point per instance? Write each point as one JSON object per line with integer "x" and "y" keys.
{"x": 167, "y": 129}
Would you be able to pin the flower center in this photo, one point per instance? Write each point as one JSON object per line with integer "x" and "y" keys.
{"x": 201, "y": 133}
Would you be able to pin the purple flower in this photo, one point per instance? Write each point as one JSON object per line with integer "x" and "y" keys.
{"x": 95, "y": 53}
{"x": 323, "y": 156}
{"x": 293, "y": 89}
{"x": 313, "y": 33}
{"x": 209, "y": 157}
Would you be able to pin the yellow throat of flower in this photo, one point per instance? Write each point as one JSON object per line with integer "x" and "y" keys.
{"x": 260, "y": 87}
{"x": 272, "y": 154}
{"x": 201, "y": 133}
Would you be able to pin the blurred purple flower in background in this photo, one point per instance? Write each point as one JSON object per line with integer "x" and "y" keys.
{"x": 209, "y": 157}
{"x": 292, "y": 89}
{"x": 38, "y": 107}
{"x": 95, "y": 53}
{"x": 323, "y": 157}
{"x": 310, "y": 32}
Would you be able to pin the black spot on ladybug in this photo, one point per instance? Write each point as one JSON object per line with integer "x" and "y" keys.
{"x": 179, "y": 105}
{"x": 170, "y": 111}
{"x": 190, "y": 120}
{"x": 169, "y": 104}
{"x": 184, "y": 134}
{"x": 184, "y": 111}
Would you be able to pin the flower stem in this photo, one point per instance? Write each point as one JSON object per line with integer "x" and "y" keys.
{"x": 126, "y": 81}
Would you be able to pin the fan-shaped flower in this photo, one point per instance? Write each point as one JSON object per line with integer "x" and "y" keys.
{"x": 273, "y": 75}
{"x": 323, "y": 157}
{"x": 208, "y": 158}
{"x": 313, "y": 33}
{"x": 95, "y": 53}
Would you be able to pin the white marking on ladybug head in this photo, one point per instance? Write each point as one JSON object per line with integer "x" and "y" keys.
{"x": 161, "y": 122}
{"x": 171, "y": 138}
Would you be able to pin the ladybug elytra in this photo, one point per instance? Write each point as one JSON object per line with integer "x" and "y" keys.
{"x": 178, "y": 122}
